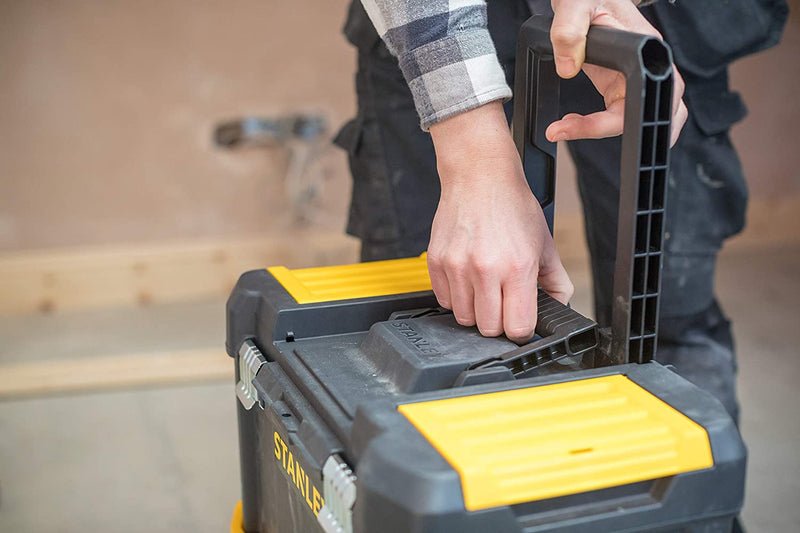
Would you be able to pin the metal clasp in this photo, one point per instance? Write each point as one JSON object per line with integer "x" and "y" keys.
{"x": 339, "y": 492}
{"x": 250, "y": 362}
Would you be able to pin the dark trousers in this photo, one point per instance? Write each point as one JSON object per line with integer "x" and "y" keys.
{"x": 396, "y": 191}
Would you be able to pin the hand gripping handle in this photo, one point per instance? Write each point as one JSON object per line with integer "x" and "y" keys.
{"x": 646, "y": 63}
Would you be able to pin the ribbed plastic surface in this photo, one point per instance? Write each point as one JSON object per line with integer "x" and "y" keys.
{"x": 648, "y": 220}
{"x": 363, "y": 280}
{"x": 542, "y": 442}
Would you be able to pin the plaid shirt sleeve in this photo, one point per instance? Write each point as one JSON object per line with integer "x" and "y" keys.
{"x": 445, "y": 52}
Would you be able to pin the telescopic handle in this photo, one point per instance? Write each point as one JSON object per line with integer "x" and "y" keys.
{"x": 646, "y": 63}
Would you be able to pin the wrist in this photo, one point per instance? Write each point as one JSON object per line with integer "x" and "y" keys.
{"x": 473, "y": 145}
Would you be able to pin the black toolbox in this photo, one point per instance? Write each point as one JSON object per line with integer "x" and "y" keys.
{"x": 364, "y": 407}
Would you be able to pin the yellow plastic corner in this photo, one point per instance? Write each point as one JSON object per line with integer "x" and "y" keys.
{"x": 553, "y": 440}
{"x": 362, "y": 280}
{"x": 236, "y": 521}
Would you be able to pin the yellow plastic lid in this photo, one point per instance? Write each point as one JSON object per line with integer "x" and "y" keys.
{"x": 236, "y": 519}
{"x": 553, "y": 440}
{"x": 361, "y": 280}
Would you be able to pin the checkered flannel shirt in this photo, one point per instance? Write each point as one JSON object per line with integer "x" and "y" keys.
{"x": 445, "y": 52}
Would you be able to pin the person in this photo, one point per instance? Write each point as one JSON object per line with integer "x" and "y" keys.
{"x": 455, "y": 186}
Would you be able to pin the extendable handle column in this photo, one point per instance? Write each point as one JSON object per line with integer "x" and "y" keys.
{"x": 646, "y": 63}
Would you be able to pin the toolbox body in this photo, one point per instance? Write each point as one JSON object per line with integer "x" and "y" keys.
{"x": 322, "y": 394}
{"x": 364, "y": 407}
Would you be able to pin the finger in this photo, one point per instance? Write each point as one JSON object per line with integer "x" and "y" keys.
{"x": 553, "y": 276}
{"x": 609, "y": 83}
{"x": 677, "y": 123}
{"x": 488, "y": 306}
{"x": 678, "y": 87}
{"x": 598, "y": 125}
{"x": 519, "y": 309}
{"x": 679, "y": 111}
{"x": 461, "y": 294}
{"x": 439, "y": 283}
{"x": 568, "y": 35}
{"x": 625, "y": 16}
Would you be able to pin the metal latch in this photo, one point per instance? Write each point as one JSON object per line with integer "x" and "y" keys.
{"x": 339, "y": 492}
{"x": 250, "y": 361}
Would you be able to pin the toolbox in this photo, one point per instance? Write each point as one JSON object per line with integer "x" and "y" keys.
{"x": 364, "y": 407}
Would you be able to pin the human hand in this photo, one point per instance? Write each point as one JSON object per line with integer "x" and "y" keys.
{"x": 489, "y": 243}
{"x": 568, "y": 35}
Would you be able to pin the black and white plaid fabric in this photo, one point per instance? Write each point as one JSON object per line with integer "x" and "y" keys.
{"x": 445, "y": 52}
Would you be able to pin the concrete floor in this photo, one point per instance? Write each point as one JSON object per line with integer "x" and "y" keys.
{"x": 166, "y": 459}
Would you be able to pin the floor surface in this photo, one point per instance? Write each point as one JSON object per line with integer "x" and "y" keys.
{"x": 165, "y": 459}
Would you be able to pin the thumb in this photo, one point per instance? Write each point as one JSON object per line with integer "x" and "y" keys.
{"x": 553, "y": 276}
{"x": 568, "y": 35}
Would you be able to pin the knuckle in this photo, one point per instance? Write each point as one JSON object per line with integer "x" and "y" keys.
{"x": 453, "y": 265}
{"x": 435, "y": 261}
{"x": 485, "y": 267}
{"x": 519, "y": 268}
{"x": 563, "y": 35}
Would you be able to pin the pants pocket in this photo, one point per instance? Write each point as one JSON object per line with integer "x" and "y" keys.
{"x": 707, "y": 188}
{"x": 372, "y": 216}
{"x": 707, "y": 36}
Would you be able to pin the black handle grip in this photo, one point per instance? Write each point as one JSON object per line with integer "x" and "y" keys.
{"x": 646, "y": 63}
{"x": 564, "y": 334}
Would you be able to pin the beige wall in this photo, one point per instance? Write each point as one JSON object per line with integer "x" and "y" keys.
{"x": 107, "y": 109}
{"x": 768, "y": 139}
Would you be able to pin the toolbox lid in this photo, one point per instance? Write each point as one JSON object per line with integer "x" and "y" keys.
{"x": 362, "y": 280}
{"x": 553, "y": 440}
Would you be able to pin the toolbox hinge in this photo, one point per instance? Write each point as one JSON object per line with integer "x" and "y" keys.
{"x": 250, "y": 362}
{"x": 339, "y": 492}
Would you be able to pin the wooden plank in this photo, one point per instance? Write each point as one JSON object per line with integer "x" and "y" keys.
{"x": 114, "y": 372}
{"x": 81, "y": 278}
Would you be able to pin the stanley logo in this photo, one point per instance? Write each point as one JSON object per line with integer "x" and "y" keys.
{"x": 415, "y": 338}
{"x": 298, "y": 476}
